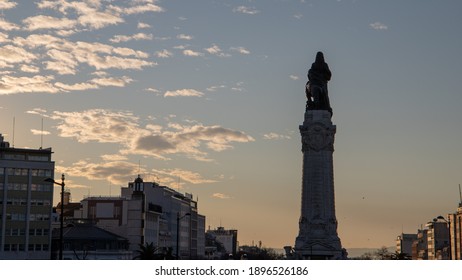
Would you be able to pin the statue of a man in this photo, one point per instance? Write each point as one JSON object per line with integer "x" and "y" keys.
{"x": 316, "y": 88}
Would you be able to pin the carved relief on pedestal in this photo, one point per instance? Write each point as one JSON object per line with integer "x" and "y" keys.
{"x": 317, "y": 137}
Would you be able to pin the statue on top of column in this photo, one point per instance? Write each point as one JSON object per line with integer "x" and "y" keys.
{"x": 316, "y": 87}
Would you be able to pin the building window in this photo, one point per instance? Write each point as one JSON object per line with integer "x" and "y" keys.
{"x": 31, "y": 247}
{"x": 38, "y": 158}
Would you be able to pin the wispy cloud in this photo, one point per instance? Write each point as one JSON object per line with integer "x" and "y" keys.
{"x": 153, "y": 90}
{"x": 378, "y": 26}
{"x": 184, "y": 175}
{"x": 220, "y": 196}
{"x": 115, "y": 171}
{"x": 39, "y": 132}
{"x": 240, "y": 50}
{"x": 184, "y": 92}
{"x": 142, "y": 25}
{"x": 164, "y": 54}
{"x": 246, "y": 10}
{"x": 215, "y": 88}
{"x": 125, "y": 38}
{"x": 293, "y": 77}
{"x": 48, "y": 22}
{"x": 275, "y": 136}
{"x": 38, "y": 83}
{"x": 193, "y": 140}
{"x": 192, "y": 53}
{"x": 184, "y": 37}
{"x": 215, "y": 50}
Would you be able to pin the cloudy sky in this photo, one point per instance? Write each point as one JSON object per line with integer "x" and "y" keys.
{"x": 206, "y": 97}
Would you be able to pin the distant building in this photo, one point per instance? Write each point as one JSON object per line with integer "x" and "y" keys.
{"x": 148, "y": 213}
{"x": 455, "y": 220}
{"x": 404, "y": 243}
{"x": 25, "y": 202}
{"x": 227, "y": 237}
{"x": 438, "y": 240}
{"x": 84, "y": 241}
{"x": 420, "y": 245}
{"x": 172, "y": 206}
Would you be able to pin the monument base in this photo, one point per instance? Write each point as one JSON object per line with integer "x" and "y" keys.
{"x": 318, "y": 249}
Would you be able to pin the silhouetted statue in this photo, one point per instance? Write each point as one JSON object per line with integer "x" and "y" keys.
{"x": 316, "y": 87}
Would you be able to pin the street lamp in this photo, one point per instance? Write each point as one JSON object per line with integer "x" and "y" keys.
{"x": 178, "y": 218}
{"x": 449, "y": 232}
{"x": 61, "y": 216}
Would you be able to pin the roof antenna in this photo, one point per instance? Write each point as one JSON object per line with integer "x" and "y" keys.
{"x": 41, "y": 137}
{"x": 14, "y": 124}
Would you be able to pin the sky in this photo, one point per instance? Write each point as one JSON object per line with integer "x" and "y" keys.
{"x": 206, "y": 97}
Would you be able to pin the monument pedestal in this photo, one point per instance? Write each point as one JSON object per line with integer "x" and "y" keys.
{"x": 318, "y": 238}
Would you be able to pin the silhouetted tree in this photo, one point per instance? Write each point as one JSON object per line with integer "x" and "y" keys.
{"x": 399, "y": 256}
{"x": 146, "y": 252}
{"x": 382, "y": 253}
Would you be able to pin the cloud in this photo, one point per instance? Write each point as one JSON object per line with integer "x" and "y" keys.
{"x": 294, "y": 77}
{"x": 275, "y": 136}
{"x": 98, "y": 125}
{"x": 183, "y": 92}
{"x": 38, "y": 83}
{"x": 10, "y": 55}
{"x": 48, "y": 22}
{"x": 298, "y": 16}
{"x": 142, "y": 25}
{"x": 65, "y": 57}
{"x": 246, "y": 10}
{"x": 240, "y": 50}
{"x": 143, "y": 9}
{"x": 110, "y": 81}
{"x": 220, "y": 196}
{"x": 184, "y": 175}
{"x": 153, "y": 90}
{"x": 214, "y": 49}
{"x": 30, "y": 69}
{"x": 130, "y": 52}
{"x": 189, "y": 140}
{"x": 114, "y": 157}
{"x": 193, "y": 140}
{"x": 39, "y": 132}
{"x": 4, "y": 38}
{"x": 164, "y": 54}
{"x": 77, "y": 86}
{"x": 99, "y": 20}
{"x": 8, "y": 26}
{"x": 184, "y": 37}
{"x": 215, "y": 88}
{"x": 37, "y": 111}
{"x": 192, "y": 53}
{"x": 6, "y": 5}
{"x": 378, "y": 26}
{"x": 136, "y": 37}
{"x": 116, "y": 172}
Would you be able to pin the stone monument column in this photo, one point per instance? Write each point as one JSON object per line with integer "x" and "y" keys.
{"x": 318, "y": 238}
